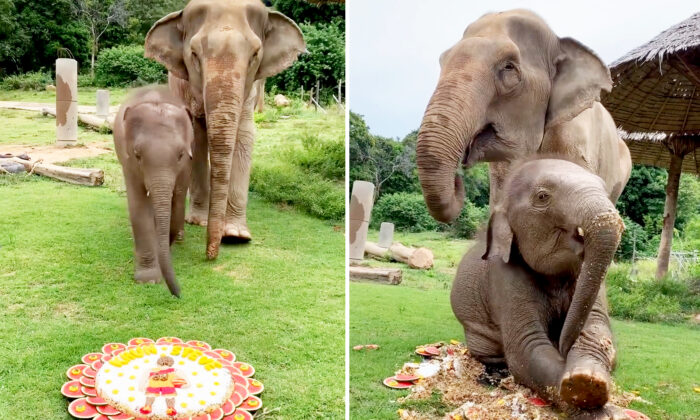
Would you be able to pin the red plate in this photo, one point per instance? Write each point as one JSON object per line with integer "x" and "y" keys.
{"x": 239, "y": 415}
{"x": 246, "y": 369}
{"x": 406, "y": 378}
{"x": 80, "y": 409}
{"x": 255, "y": 387}
{"x": 72, "y": 389}
{"x": 90, "y": 392}
{"x": 391, "y": 382}
{"x": 91, "y": 358}
{"x": 75, "y": 372}
{"x": 251, "y": 403}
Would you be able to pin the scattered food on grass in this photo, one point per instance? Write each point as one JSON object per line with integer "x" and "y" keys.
{"x": 464, "y": 383}
{"x": 365, "y": 347}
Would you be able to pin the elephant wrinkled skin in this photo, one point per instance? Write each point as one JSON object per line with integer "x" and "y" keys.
{"x": 153, "y": 139}
{"x": 550, "y": 239}
{"x": 214, "y": 52}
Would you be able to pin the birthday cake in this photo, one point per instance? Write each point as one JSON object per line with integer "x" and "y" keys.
{"x": 162, "y": 380}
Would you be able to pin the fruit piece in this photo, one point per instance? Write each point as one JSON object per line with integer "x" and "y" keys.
{"x": 139, "y": 340}
{"x": 75, "y": 372}
{"x": 240, "y": 380}
{"x": 432, "y": 350}
{"x": 255, "y": 387}
{"x": 96, "y": 401}
{"x": 636, "y": 415}
{"x": 97, "y": 365}
{"x": 406, "y": 378}
{"x": 71, "y": 389}
{"x": 538, "y": 402}
{"x": 239, "y": 415}
{"x": 217, "y": 414}
{"x": 246, "y": 369}
{"x": 89, "y": 382}
{"x": 89, "y": 372}
{"x": 199, "y": 344}
{"x": 233, "y": 370}
{"x": 226, "y": 355}
{"x": 110, "y": 348}
{"x": 241, "y": 390}
{"x": 228, "y": 408}
{"x": 89, "y": 392}
{"x": 202, "y": 417}
{"x": 358, "y": 347}
{"x": 169, "y": 340}
{"x": 108, "y": 410}
{"x": 91, "y": 358}
{"x": 391, "y": 382}
{"x": 100, "y": 417}
{"x": 236, "y": 398}
{"x": 121, "y": 416}
{"x": 251, "y": 403}
{"x": 80, "y": 409}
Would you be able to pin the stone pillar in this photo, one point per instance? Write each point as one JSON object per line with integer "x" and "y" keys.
{"x": 102, "y": 103}
{"x": 66, "y": 101}
{"x": 386, "y": 235}
{"x": 361, "y": 202}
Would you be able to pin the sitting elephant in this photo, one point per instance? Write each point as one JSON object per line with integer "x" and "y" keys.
{"x": 508, "y": 89}
{"x": 532, "y": 295}
{"x": 214, "y": 52}
{"x": 153, "y": 139}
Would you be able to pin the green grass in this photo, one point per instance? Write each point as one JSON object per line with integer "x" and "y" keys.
{"x": 86, "y": 95}
{"x": 32, "y": 128}
{"x": 66, "y": 288}
{"x": 662, "y": 362}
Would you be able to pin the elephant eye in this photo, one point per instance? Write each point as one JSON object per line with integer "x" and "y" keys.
{"x": 542, "y": 196}
{"x": 179, "y": 158}
{"x": 509, "y": 77}
{"x": 137, "y": 155}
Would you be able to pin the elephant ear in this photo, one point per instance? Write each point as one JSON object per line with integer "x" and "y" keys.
{"x": 282, "y": 45}
{"x": 164, "y": 44}
{"x": 499, "y": 236}
{"x": 580, "y": 76}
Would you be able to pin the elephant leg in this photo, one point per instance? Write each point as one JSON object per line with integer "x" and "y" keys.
{"x": 199, "y": 185}
{"x": 586, "y": 381}
{"x": 177, "y": 216}
{"x": 146, "y": 268}
{"x": 520, "y": 310}
{"x": 236, "y": 224}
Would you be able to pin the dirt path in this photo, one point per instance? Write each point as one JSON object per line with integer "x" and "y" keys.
{"x": 54, "y": 154}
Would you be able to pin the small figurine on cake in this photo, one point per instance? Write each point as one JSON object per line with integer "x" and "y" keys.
{"x": 163, "y": 381}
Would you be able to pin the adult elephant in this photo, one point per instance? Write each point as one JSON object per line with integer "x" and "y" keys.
{"x": 214, "y": 52}
{"x": 509, "y": 88}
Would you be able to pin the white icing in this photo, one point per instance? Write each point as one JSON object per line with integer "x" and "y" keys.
{"x": 130, "y": 382}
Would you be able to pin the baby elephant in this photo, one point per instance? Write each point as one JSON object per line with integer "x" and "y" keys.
{"x": 533, "y": 297}
{"x": 153, "y": 137}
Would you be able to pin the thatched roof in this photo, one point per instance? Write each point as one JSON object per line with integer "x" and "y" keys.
{"x": 656, "y": 94}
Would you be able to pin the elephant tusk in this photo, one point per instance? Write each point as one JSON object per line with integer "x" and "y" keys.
{"x": 148, "y": 194}
{"x": 580, "y": 231}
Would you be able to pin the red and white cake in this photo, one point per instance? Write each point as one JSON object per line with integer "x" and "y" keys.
{"x": 162, "y": 379}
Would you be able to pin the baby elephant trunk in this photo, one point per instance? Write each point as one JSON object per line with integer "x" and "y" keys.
{"x": 161, "y": 197}
{"x": 602, "y": 229}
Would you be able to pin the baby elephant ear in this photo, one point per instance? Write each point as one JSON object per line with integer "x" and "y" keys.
{"x": 283, "y": 44}
{"x": 499, "y": 236}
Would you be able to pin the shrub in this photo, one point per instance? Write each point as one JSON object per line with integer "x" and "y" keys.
{"x": 633, "y": 238}
{"x": 85, "y": 80}
{"x": 125, "y": 65}
{"x": 27, "y": 81}
{"x": 648, "y": 299}
{"x": 326, "y": 158}
{"x": 469, "y": 221}
{"x": 405, "y": 210}
{"x": 309, "y": 192}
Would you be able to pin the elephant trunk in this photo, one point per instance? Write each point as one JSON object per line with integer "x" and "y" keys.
{"x": 602, "y": 229}
{"x": 455, "y": 115}
{"x": 162, "y": 196}
{"x": 223, "y": 100}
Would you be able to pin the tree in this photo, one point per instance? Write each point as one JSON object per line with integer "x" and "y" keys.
{"x": 98, "y": 15}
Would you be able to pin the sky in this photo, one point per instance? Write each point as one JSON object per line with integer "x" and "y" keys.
{"x": 393, "y": 45}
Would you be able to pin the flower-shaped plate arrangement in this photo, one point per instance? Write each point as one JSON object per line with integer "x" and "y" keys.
{"x": 162, "y": 380}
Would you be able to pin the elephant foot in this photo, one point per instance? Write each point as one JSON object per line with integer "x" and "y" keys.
{"x": 608, "y": 412}
{"x": 180, "y": 237}
{"x": 197, "y": 217}
{"x": 147, "y": 275}
{"x": 212, "y": 250}
{"x": 585, "y": 387}
{"x": 236, "y": 232}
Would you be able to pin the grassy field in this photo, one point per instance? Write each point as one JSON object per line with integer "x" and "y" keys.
{"x": 66, "y": 288}
{"x": 662, "y": 362}
{"x": 86, "y": 95}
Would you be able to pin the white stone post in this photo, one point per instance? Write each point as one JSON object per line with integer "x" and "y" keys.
{"x": 386, "y": 235}
{"x": 361, "y": 202}
{"x": 102, "y": 103}
{"x": 66, "y": 101}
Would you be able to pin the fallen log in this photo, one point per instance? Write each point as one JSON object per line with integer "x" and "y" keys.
{"x": 420, "y": 258}
{"x": 90, "y": 120}
{"x": 379, "y": 275}
{"x": 81, "y": 176}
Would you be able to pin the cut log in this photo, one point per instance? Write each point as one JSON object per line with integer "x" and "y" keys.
{"x": 80, "y": 176}
{"x": 420, "y": 258}
{"x": 379, "y": 275}
{"x": 91, "y": 121}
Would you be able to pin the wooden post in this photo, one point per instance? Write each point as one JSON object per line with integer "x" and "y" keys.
{"x": 361, "y": 202}
{"x": 340, "y": 91}
{"x": 674, "y": 175}
{"x": 379, "y": 275}
{"x": 386, "y": 235}
{"x": 102, "y": 103}
{"x": 318, "y": 89}
{"x": 66, "y": 102}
